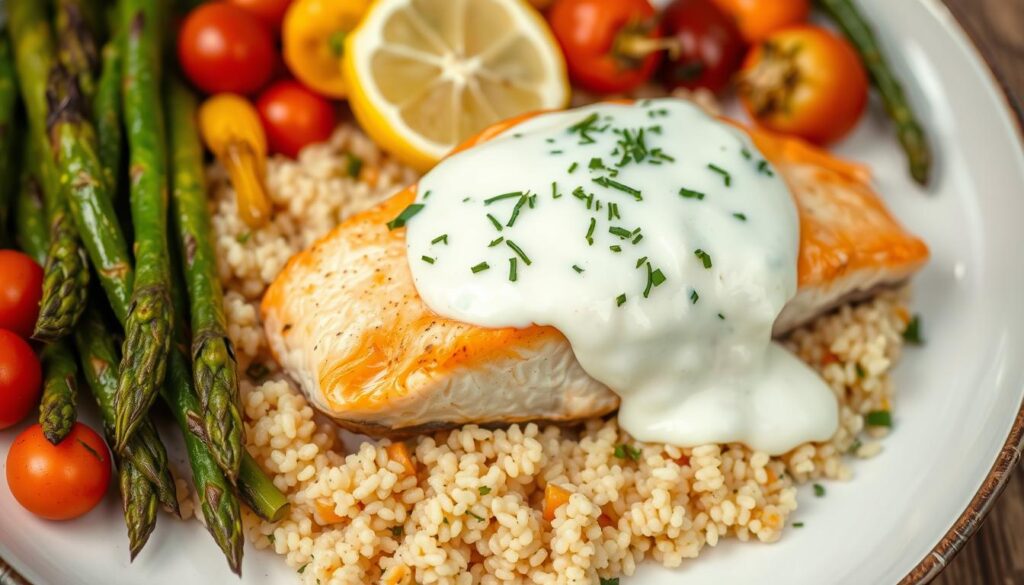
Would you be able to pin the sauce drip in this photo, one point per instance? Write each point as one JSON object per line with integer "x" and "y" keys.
{"x": 658, "y": 240}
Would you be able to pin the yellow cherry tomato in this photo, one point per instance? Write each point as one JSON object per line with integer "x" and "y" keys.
{"x": 314, "y": 39}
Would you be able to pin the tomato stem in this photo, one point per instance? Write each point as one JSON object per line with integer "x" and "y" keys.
{"x": 770, "y": 84}
{"x": 634, "y": 43}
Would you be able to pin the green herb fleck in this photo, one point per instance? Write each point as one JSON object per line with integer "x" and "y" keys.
{"x": 763, "y": 168}
{"x": 443, "y": 238}
{"x": 912, "y": 334}
{"x": 726, "y": 177}
{"x": 555, "y": 151}
{"x": 620, "y": 232}
{"x": 554, "y": 190}
{"x": 596, "y": 163}
{"x": 573, "y": 166}
{"x": 745, "y": 152}
{"x": 484, "y": 490}
{"x": 494, "y": 222}
{"x": 515, "y": 210}
{"x": 641, "y": 261}
{"x": 879, "y": 418}
{"x": 397, "y": 531}
{"x": 480, "y": 267}
{"x": 609, "y": 581}
{"x": 624, "y": 451}
{"x": 798, "y": 525}
{"x": 819, "y": 490}
{"x": 615, "y": 248}
{"x": 704, "y": 257}
{"x": 855, "y": 446}
{"x": 508, "y": 195}
{"x": 302, "y": 569}
{"x": 427, "y": 259}
{"x": 577, "y": 269}
{"x": 243, "y": 238}
{"x": 407, "y": 214}
{"x": 612, "y": 183}
{"x": 657, "y": 277}
{"x": 694, "y": 297}
{"x": 477, "y": 516}
{"x": 590, "y": 232}
{"x": 620, "y": 300}
{"x": 496, "y": 242}
{"x": 860, "y": 371}
{"x": 691, "y": 194}
{"x": 271, "y": 538}
{"x": 512, "y": 275}
{"x": 354, "y": 164}
{"x": 740, "y": 216}
{"x": 519, "y": 251}
{"x": 721, "y": 316}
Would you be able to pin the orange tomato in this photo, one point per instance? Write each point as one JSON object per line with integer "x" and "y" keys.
{"x": 804, "y": 81}
{"x": 58, "y": 482}
{"x": 757, "y": 19}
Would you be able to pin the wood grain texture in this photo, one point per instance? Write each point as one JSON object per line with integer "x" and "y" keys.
{"x": 995, "y": 556}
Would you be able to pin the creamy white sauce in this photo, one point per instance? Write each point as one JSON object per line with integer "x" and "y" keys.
{"x": 693, "y": 361}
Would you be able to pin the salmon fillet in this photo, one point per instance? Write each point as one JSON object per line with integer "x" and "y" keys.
{"x": 345, "y": 320}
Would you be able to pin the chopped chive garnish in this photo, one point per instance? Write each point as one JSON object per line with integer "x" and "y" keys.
{"x": 762, "y": 167}
{"x": 612, "y": 183}
{"x": 726, "y": 177}
{"x": 407, "y": 214}
{"x": 426, "y": 195}
{"x": 703, "y": 256}
{"x": 484, "y": 490}
{"x": 694, "y": 297}
{"x": 579, "y": 193}
{"x": 439, "y": 239}
{"x": 573, "y": 166}
{"x": 494, "y": 222}
{"x": 519, "y": 251}
{"x": 637, "y": 238}
{"x": 620, "y": 300}
{"x": 650, "y": 281}
{"x": 467, "y": 199}
{"x": 584, "y": 124}
{"x": 549, "y": 140}
{"x": 590, "y": 232}
{"x": 554, "y": 190}
{"x": 577, "y": 269}
{"x": 532, "y": 200}
{"x": 721, "y": 316}
{"x": 615, "y": 248}
{"x": 478, "y": 517}
{"x": 621, "y": 232}
{"x": 427, "y": 259}
{"x": 641, "y": 261}
{"x": 819, "y": 490}
{"x": 354, "y": 164}
{"x": 658, "y": 277}
{"x": 690, "y": 193}
{"x": 515, "y": 210}
{"x": 798, "y": 525}
{"x": 508, "y": 195}
{"x": 555, "y": 152}
{"x": 912, "y": 334}
{"x": 879, "y": 418}
{"x": 596, "y": 163}
{"x": 480, "y": 267}
{"x": 745, "y": 152}
{"x": 623, "y": 451}
{"x": 512, "y": 269}
{"x": 613, "y": 209}
{"x": 496, "y": 242}
{"x": 740, "y": 216}
{"x": 397, "y": 531}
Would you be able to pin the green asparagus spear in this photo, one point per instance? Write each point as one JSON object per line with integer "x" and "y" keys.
{"x": 66, "y": 270}
{"x": 77, "y": 44}
{"x": 144, "y": 476}
{"x": 148, "y": 327}
{"x": 107, "y": 113}
{"x": 87, "y": 189}
{"x": 213, "y": 360}
{"x": 8, "y": 135}
{"x": 29, "y": 213}
{"x": 908, "y": 129}
{"x": 59, "y": 407}
{"x": 259, "y": 492}
{"x": 218, "y": 502}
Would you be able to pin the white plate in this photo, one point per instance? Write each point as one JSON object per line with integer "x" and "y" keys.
{"x": 956, "y": 402}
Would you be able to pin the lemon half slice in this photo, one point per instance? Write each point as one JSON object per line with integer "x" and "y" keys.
{"x": 424, "y": 75}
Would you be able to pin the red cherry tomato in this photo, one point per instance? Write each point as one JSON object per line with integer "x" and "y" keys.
{"x": 707, "y": 47}
{"x": 20, "y": 290}
{"x": 610, "y": 46}
{"x": 224, "y": 48}
{"x": 293, "y": 117}
{"x": 20, "y": 379}
{"x": 804, "y": 81}
{"x": 58, "y": 482}
{"x": 270, "y": 12}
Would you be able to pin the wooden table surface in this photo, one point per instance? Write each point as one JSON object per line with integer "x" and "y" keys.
{"x": 995, "y": 556}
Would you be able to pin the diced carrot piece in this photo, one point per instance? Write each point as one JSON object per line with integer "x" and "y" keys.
{"x": 903, "y": 314}
{"x": 607, "y": 517}
{"x": 325, "y": 511}
{"x": 772, "y": 478}
{"x": 830, "y": 358}
{"x": 554, "y": 498}
{"x": 400, "y": 453}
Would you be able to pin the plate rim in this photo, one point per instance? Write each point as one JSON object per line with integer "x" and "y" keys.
{"x": 971, "y": 519}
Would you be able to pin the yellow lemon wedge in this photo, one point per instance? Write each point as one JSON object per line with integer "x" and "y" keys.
{"x": 424, "y": 75}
